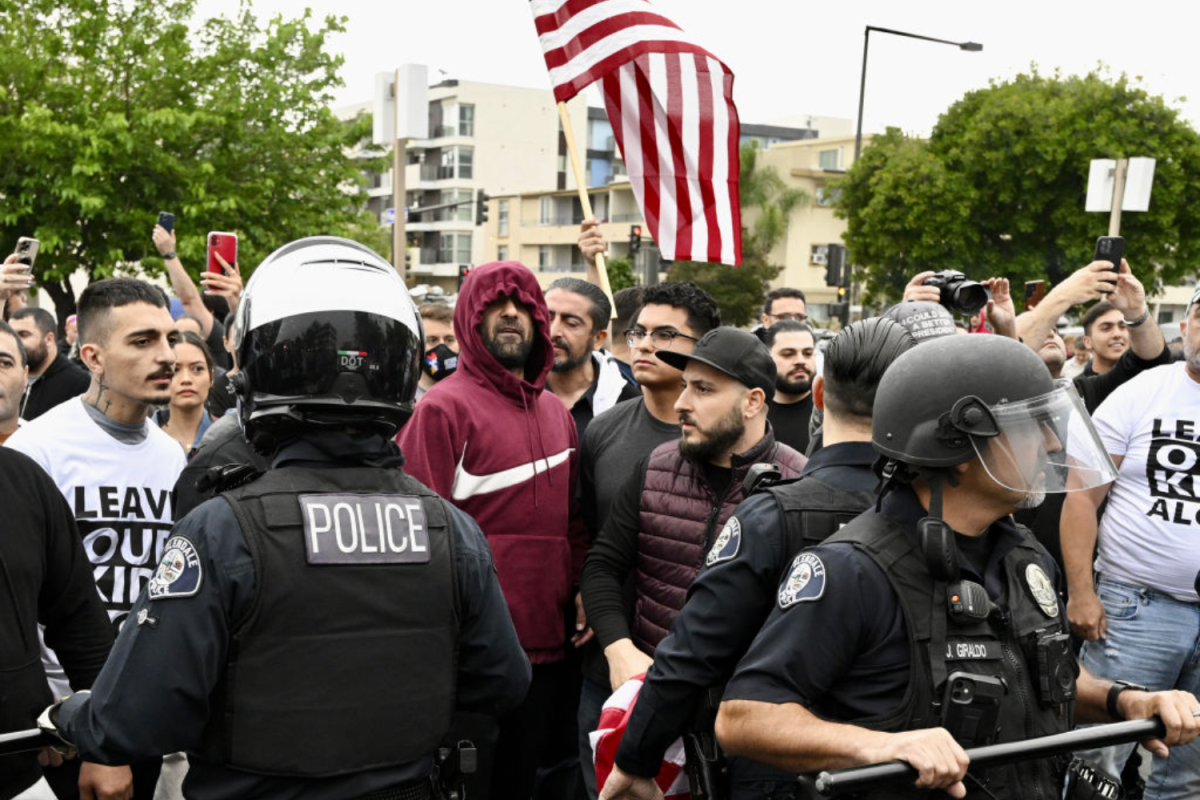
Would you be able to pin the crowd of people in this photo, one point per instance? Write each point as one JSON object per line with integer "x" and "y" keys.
{"x": 619, "y": 548}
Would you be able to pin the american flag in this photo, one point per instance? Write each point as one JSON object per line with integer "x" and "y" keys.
{"x": 670, "y": 103}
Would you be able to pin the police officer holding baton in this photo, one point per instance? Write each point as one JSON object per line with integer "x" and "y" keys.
{"x": 932, "y": 623}
{"x": 310, "y": 631}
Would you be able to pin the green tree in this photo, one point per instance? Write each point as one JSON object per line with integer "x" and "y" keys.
{"x": 111, "y": 111}
{"x": 998, "y": 189}
{"x": 767, "y": 202}
{"x": 620, "y": 273}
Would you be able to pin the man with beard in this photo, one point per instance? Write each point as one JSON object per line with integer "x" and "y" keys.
{"x": 735, "y": 590}
{"x": 52, "y": 378}
{"x": 790, "y": 408}
{"x": 115, "y": 469}
{"x": 491, "y": 441}
{"x": 1136, "y": 605}
{"x": 14, "y": 372}
{"x": 668, "y": 514}
{"x": 585, "y": 376}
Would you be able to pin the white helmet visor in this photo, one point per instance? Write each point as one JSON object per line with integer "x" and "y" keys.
{"x": 1045, "y": 444}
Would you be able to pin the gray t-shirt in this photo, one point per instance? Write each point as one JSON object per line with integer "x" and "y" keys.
{"x": 613, "y": 444}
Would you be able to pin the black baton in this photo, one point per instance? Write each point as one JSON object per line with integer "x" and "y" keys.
{"x": 24, "y": 741}
{"x": 829, "y": 784}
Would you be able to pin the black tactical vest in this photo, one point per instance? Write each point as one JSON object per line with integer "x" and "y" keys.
{"x": 347, "y": 659}
{"x": 813, "y": 510}
{"x": 1003, "y": 646}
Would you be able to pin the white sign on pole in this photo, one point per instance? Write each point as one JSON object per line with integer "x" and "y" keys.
{"x": 412, "y": 98}
{"x": 383, "y": 110}
{"x": 389, "y": 216}
{"x": 1139, "y": 180}
{"x": 1101, "y": 174}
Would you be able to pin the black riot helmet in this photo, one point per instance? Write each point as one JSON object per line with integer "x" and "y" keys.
{"x": 960, "y": 397}
{"x": 327, "y": 334}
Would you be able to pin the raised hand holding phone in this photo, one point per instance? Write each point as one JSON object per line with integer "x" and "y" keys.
{"x": 224, "y": 244}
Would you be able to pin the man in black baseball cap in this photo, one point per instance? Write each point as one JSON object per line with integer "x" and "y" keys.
{"x": 678, "y": 499}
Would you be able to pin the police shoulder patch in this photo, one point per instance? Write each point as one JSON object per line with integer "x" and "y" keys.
{"x": 805, "y": 582}
{"x": 179, "y": 573}
{"x": 727, "y": 543}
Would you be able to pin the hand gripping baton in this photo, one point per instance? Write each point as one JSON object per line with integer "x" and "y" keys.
{"x": 853, "y": 779}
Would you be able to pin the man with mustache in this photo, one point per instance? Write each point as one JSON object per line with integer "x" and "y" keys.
{"x": 493, "y": 442}
{"x": 14, "y": 373}
{"x": 115, "y": 469}
{"x": 675, "y": 507}
{"x": 794, "y": 349}
{"x": 53, "y": 379}
{"x": 585, "y": 376}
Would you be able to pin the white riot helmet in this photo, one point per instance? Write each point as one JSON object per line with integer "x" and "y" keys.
{"x": 327, "y": 334}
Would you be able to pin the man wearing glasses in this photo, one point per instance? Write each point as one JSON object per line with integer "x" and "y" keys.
{"x": 672, "y": 318}
{"x": 784, "y": 304}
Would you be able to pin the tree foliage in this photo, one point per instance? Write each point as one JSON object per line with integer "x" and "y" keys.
{"x": 111, "y": 111}
{"x": 620, "y": 273}
{"x": 998, "y": 189}
{"x": 768, "y": 202}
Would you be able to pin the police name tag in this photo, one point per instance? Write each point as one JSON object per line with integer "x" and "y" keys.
{"x": 364, "y": 529}
{"x": 972, "y": 651}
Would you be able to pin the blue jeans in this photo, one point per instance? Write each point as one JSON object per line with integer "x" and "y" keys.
{"x": 1154, "y": 640}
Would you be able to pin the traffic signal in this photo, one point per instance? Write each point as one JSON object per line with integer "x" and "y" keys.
{"x": 835, "y": 266}
{"x": 635, "y": 239}
{"x": 463, "y": 271}
{"x": 481, "y": 199}
{"x": 841, "y": 292}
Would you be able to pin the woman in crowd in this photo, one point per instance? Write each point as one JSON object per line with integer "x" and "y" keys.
{"x": 186, "y": 419}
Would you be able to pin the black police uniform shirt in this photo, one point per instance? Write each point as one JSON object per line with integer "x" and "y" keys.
{"x": 728, "y": 601}
{"x": 845, "y": 642}
{"x": 153, "y": 695}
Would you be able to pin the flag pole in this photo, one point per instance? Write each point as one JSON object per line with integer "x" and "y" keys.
{"x": 581, "y": 186}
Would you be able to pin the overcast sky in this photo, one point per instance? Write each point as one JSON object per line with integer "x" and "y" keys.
{"x": 791, "y": 58}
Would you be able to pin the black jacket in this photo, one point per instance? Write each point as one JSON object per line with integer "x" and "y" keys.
{"x": 45, "y": 578}
{"x": 156, "y": 694}
{"x": 61, "y": 381}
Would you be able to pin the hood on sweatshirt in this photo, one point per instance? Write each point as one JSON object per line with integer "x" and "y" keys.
{"x": 482, "y": 287}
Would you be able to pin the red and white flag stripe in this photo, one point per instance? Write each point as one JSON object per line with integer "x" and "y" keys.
{"x": 670, "y": 103}
{"x": 674, "y": 119}
{"x": 584, "y": 40}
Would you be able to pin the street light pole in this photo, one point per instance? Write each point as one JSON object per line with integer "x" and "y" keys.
{"x": 971, "y": 47}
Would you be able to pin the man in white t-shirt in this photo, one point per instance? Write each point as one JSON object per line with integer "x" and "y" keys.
{"x": 1139, "y": 611}
{"x": 115, "y": 469}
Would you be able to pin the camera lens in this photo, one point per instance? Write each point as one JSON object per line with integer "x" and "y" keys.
{"x": 969, "y": 297}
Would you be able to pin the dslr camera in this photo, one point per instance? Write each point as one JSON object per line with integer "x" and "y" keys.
{"x": 959, "y": 294}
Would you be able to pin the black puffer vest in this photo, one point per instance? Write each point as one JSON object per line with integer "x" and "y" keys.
{"x": 347, "y": 659}
{"x": 1002, "y": 646}
{"x": 679, "y": 517}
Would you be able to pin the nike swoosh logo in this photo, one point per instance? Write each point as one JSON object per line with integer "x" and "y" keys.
{"x": 468, "y": 485}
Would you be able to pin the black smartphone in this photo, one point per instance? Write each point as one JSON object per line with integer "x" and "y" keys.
{"x": 167, "y": 220}
{"x": 1110, "y": 248}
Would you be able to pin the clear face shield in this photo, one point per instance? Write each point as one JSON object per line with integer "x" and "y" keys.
{"x": 1045, "y": 445}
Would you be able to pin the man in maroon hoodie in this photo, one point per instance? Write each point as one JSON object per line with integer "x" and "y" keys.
{"x": 490, "y": 439}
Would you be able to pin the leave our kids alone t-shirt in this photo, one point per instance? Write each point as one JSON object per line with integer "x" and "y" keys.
{"x": 119, "y": 492}
{"x": 1150, "y": 529}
